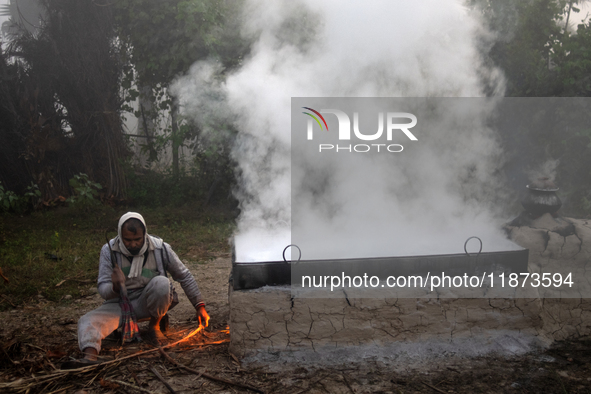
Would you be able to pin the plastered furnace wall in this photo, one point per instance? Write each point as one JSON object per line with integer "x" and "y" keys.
{"x": 270, "y": 320}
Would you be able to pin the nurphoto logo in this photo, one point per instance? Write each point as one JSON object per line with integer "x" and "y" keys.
{"x": 393, "y": 124}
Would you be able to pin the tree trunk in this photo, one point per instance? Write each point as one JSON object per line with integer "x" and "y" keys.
{"x": 146, "y": 120}
{"x": 570, "y": 6}
{"x": 174, "y": 137}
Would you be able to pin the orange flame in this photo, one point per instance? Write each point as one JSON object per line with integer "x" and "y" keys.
{"x": 195, "y": 331}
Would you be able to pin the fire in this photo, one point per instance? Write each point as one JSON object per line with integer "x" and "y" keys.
{"x": 195, "y": 331}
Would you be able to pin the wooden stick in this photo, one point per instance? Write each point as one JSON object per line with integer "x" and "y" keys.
{"x": 63, "y": 372}
{"x": 214, "y": 343}
{"x": 36, "y": 347}
{"x": 134, "y": 376}
{"x": 6, "y": 354}
{"x": 32, "y": 381}
{"x": 93, "y": 379}
{"x": 8, "y": 299}
{"x": 62, "y": 389}
{"x": 208, "y": 376}
{"x": 61, "y": 282}
{"x": 434, "y": 388}
{"x": 132, "y": 386}
{"x": 50, "y": 363}
{"x": 155, "y": 372}
{"x": 46, "y": 387}
{"x": 179, "y": 364}
{"x": 133, "y": 355}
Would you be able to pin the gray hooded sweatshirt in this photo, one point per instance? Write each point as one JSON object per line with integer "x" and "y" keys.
{"x": 163, "y": 259}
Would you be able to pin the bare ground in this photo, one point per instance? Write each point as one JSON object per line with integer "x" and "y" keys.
{"x": 36, "y": 339}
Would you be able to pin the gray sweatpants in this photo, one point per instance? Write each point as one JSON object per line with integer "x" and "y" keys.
{"x": 153, "y": 300}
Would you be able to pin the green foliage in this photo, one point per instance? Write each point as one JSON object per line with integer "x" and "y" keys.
{"x": 527, "y": 32}
{"x": 55, "y": 241}
{"x": 572, "y": 59}
{"x": 67, "y": 100}
{"x": 9, "y": 201}
{"x": 207, "y": 178}
{"x": 164, "y": 38}
{"x": 33, "y": 194}
{"x": 85, "y": 191}
{"x": 35, "y": 259}
{"x": 153, "y": 189}
{"x": 541, "y": 58}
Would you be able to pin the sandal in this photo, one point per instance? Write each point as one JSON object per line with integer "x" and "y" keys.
{"x": 83, "y": 362}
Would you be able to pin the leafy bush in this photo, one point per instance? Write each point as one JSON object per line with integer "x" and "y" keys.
{"x": 9, "y": 200}
{"x": 12, "y": 202}
{"x": 33, "y": 195}
{"x": 85, "y": 191}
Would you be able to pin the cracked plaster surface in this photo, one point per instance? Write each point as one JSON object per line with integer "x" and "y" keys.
{"x": 270, "y": 320}
{"x": 266, "y": 320}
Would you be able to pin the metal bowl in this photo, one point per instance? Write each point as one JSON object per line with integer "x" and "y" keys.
{"x": 543, "y": 185}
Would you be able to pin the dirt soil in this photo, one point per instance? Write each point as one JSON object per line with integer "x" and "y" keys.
{"x": 37, "y": 339}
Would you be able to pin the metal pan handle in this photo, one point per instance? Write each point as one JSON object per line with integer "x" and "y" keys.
{"x": 466, "y": 244}
{"x": 296, "y": 246}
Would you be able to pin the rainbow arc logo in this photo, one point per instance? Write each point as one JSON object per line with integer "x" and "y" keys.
{"x": 315, "y": 118}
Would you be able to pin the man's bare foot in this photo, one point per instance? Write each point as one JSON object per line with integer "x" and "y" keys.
{"x": 155, "y": 336}
{"x": 90, "y": 354}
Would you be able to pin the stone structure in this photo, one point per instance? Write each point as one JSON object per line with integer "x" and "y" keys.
{"x": 268, "y": 319}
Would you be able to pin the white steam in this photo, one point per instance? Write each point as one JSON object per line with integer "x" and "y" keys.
{"x": 425, "y": 203}
{"x": 545, "y": 170}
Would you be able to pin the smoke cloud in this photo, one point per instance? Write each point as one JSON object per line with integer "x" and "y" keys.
{"x": 545, "y": 170}
{"x": 440, "y": 196}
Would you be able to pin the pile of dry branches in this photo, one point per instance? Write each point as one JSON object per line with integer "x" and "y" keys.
{"x": 129, "y": 370}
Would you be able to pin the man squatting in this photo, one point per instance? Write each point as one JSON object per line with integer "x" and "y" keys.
{"x": 142, "y": 263}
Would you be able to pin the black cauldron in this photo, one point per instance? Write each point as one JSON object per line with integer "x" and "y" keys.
{"x": 541, "y": 198}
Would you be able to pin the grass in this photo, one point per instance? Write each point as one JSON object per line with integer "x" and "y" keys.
{"x": 56, "y": 253}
